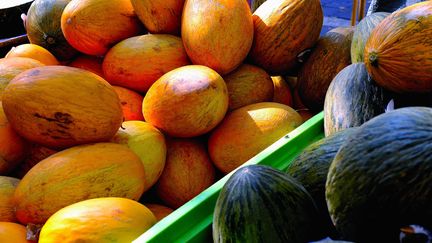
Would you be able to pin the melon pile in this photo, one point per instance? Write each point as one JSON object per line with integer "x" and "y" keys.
{"x": 128, "y": 109}
{"x": 370, "y": 177}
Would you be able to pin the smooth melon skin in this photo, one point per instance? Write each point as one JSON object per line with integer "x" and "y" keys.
{"x": 247, "y": 131}
{"x": 137, "y": 62}
{"x": 217, "y": 34}
{"x": 261, "y": 204}
{"x": 7, "y": 189}
{"x": 98, "y": 220}
{"x": 12, "y": 66}
{"x": 397, "y": 53}
{"x": 160, "y": 17}
{"x": 186, "y": 102}
{"x": 93, "y": 26}
{"x": 13, "y": 233}
{"x": 247, "y": 85}
{"x": 13, "y": 148}
{"x": 381, "y": 177}
{"x": 148, "y": 143}
{"x": 131, "y": 103}
{"x": 33, "y": 51}
{"x": 76, "y": 174}
{"x": 60, "y": 106}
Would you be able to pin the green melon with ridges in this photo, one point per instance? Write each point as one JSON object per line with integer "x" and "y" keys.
{"x": 311, "y": 166}
{"x": 261, "y": 204}
{"x": 381, "y": 177}
{"x": 43, "y": 28}
{"x": 352, "y": 99}
{"x": 362, "y": 32}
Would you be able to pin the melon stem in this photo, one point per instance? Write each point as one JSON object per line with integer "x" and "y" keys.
{"x": 373, "y": 59}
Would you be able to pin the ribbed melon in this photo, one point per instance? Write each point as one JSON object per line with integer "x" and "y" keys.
{"x": 352, "y": 99}
{"x": 43, "y": 28}
{"x": 362, "y": 32}
{"x": 282, "y": 30}
{"x": 261, "y": 204}
{"x": 379, "y": 180}
{"x": 310, "y": 168}
{"x": 397, "y": 53}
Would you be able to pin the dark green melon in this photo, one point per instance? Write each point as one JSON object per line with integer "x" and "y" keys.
{"x": 362, "y": 32}
{"x": 330, "y": 55}
{"x": 381, "y": 177}
{"x": 310, "y": 168}
{"x": 261, "y": 204}
{"x": 43, "y": 28}
{"x": 352, "y": 99}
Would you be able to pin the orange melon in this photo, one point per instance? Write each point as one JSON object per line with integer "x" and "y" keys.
{"x": 131, "y": 103}
{"x": 282, "y": 91}
{"x": 12, "y": 66}
{"x": 398, "y": 52}
{"x": 247, "y": 85}
{"x": 13, "y": 233}
{"x": 35, "y": 154}
{"x": 7, "y": 189}
{"x": 148, "y": 143}
{"x": 76, "y": 174}
{"x": 35, "y": 52}
{"x": 186, "y": 102}
{"x": 282, "y": 30}
{"x": 137, "y": 62}
{"x": 217, "y": 34}
{"x": 93, "y": 26}
{"x": 101, "y": 220}
{"x": 159, "y": 211}
{"x": 13, "y": 148}
{"x": 89, "y": 63}
{"x": 188, "y": 172}
{"x": 247, "y": 131}
{"x": 59, "y": 106}
{"x": 160, "y": 17}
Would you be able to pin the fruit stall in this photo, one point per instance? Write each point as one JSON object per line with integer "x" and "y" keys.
{"x": 215, "y": 121}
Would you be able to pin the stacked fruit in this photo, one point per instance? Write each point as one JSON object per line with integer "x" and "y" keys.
{"x": 370, "y": 178}
{"x": 97, "y": 114}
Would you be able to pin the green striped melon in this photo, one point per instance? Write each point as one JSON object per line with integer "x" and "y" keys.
{"x": 352, "y": 99}
{"x": 362, "y": 32}
{"x": 311, "y": 166}
{"x": 261, "y": 204}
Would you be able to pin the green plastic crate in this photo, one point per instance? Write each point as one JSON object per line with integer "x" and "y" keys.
{"x": 192, "y": 221}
